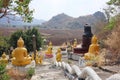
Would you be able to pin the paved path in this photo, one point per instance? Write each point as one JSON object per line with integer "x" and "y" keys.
{"x": 47, "y": 72}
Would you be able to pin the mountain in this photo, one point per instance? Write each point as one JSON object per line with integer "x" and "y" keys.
{"x": 16, "y": 21}
{"x": 58, "y": 21}
{"x": 63, "y": 21}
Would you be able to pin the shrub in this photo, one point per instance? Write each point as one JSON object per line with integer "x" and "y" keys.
{"x": 30, "y": 72}
{"x": 27, "y": 37}
{"x": 3, "y": 74}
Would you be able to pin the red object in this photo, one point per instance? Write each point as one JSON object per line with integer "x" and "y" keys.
{"x": 49, "y": 55}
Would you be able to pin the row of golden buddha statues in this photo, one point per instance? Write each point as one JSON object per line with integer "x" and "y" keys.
{"x": 20, "y": 56}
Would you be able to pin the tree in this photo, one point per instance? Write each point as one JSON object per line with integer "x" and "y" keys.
{"x": 112, "y": 13}
{"x": 27, "y": 37}
{"x": 28, "y": 40}
{"x": 16, "y": 7}
{"x": 15, "y": 36}
{"x": 115, "y": 6}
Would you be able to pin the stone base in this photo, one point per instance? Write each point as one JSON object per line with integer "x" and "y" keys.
{"x": 22, "y": 68}
{"x": 74, "y": 56}
{"x": 64, "y": 52}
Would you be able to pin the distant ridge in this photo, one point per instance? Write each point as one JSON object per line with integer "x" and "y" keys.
{"x": 16, "y": 21}
{"x": 63, "y": 21}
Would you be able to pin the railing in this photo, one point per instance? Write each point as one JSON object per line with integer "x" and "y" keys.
{"x": 74, "y": 72}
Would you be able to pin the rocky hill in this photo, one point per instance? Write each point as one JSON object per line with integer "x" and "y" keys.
{"x": 63, "y": 21}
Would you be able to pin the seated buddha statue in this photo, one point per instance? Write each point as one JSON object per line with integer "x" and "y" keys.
{"x": 20, "y": 56}
{"x": 58, "y": 55}
{"x": 50, "y": 45}
{"x": 75, "y": 43}
{"x": 4, "y": 58}
{"x": 41, "y": 59}
{"x": 48, "y": 53}
{"x": 93, "y": 49}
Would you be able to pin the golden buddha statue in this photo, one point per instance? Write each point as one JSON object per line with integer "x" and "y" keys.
{"x": 75, "y": 43}
{"x": 58, "y": 55}
{"x": 20, "y": 56}
{"x": 37, "y": 57}
{"x": 49, "y": 51}
{"x": 4, "y": 58}
{"x": 32, "y": 56}
{"x": 50, "y": 45}
{"x": 41, "y": 59}
{"x": 93, "y": 49}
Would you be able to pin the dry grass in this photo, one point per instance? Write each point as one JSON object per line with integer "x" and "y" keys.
{"x": 113, "y": 42}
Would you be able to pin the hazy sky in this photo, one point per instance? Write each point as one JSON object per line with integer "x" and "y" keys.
{"x": 46, "y": 9}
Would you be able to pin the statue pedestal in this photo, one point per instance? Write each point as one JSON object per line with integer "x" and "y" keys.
{"x": 74, "y": 56}
{"x": 48, "y": 55}
{"x": 86, "y": 41}
{"x": 21, "y": 68}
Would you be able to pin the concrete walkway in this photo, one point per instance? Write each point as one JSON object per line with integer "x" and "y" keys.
{"x": 48, "y": 72}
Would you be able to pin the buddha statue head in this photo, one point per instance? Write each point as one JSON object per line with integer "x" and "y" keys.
{"x": 20, "y": 42}
{"x": 59, "y": 50}
{"x": 50, "y": 43}
{"x": 94, "y": 40}
{"x": 3, "y": 55}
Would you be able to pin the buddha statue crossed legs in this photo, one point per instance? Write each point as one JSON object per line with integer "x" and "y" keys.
{"x": 20, "y": 56}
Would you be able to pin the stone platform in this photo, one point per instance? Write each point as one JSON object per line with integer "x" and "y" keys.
{"x": 74, "y": 56}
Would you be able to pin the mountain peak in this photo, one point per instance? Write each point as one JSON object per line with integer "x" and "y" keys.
{"x": 63, "y": 21}
{"x": 61, "y": 16}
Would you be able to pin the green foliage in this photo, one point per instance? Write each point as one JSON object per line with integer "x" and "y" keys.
{"x": 2, "y": 68}
{"x": 114, "y": 2}
{"x": 4, "y": 45}
{"x": 15, "y": 36}
{"x": 28, "y": 39}
{"x": 30, "y": 72}
{"x": 5, "y": 77}
{"x": 114, "y": 6}
{"x": 111, "y": 24}
{"x": 16, "y": 7}
{"x": 3, "y": 74}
